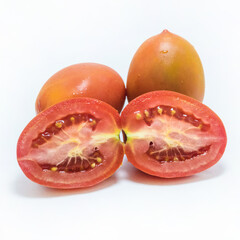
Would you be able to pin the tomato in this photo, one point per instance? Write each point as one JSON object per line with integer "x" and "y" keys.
{"x": 166, "y": 62}
{"x": 72, "y": 144}
{"x": 83, "y": 80}
{"x": 172, "y": 135}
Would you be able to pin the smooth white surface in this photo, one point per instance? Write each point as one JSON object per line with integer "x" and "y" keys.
{"x": 39, "y": 38}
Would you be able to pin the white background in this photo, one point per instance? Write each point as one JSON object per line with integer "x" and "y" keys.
{"x": 38, "y": 38}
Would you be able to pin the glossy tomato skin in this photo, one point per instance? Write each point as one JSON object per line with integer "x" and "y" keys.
{"x": 166, "y": 62}
{"x": 83, "y": 80}
{"x": 106, "y": 131}
{"x": 207, "y": 131}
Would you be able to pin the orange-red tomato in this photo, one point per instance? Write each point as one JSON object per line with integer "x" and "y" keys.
{"x": 83, "y": 80}
{"x": 166, "y": 62}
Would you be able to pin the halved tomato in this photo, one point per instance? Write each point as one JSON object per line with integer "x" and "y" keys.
{"x": 72, "y": 144}
{"x": 171, "y": 135}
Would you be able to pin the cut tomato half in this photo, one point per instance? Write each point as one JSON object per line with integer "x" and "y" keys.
{"x": 171, "y": 135}
{"x": 72, "y": 144}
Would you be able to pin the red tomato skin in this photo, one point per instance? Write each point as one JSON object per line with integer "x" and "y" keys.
{"x": 178, "y": 100}
{"x": 166, "y": 62}
{"x": 34, "y": 172}
{"x": 83, "y": 80}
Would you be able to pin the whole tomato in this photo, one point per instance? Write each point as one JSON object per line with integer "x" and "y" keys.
{"x": 83, "y": 80}
{"x": 166, "y": 62}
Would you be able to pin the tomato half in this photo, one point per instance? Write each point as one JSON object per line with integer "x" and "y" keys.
{"x": 72, "y": 144}
{"x": 83, "y": 80}
{"x": 171, "y": 135}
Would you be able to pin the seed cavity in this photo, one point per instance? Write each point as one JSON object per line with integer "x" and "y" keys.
{"x": 59, "y": 125}
{"x": 149, "y": 114}
{"x": 76, "y": 161}
{"x": 174, "y": 154}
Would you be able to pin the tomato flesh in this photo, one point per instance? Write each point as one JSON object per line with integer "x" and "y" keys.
{"x": 172, "y": 135}
{"x": 72, "y": 144}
